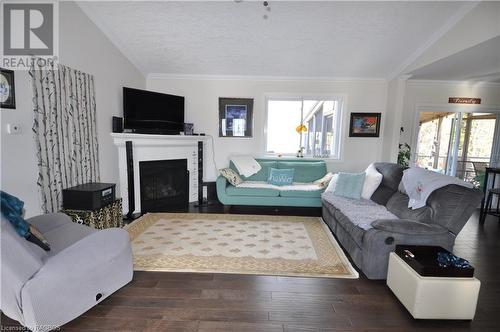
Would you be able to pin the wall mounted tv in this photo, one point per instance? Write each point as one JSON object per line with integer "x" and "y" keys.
{"x": 152, "y": 112}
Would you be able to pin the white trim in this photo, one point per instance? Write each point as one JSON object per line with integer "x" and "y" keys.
{"x": 417, "y": 83}
{"x": 111, "y": 36}
{"x": 445, "y": 28}
{"x": 262, "y": 78}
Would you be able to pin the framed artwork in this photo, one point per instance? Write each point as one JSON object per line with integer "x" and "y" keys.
{"x": 364, "y": 125}
{"x": 188, "y": 129}
{"x": 235, "y": 117}
{"x": 7, "y": 89}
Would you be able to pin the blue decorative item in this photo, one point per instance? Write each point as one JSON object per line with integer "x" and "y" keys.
{"x": 449, "y": 260}
{"x": 12, "y": 209}
{"x": 350, "y": 185}
{"x": 280, "y": 177}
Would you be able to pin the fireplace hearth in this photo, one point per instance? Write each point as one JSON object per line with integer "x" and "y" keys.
{"x": 164, "y": 185}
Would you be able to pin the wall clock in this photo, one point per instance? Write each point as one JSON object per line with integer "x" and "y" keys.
{"x": 7, "y": 89}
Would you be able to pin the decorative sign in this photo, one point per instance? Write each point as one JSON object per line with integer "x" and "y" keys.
{"x": 461, "y": 100}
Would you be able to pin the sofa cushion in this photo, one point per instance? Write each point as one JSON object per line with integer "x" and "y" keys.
{"x": 261, "y": 175}
{"x": 305, "y": 171}
{"x": 355, "y": 231}
{"x": 66, "y": 235}
{"x": 361, "y": 212}
{"x": 392, "y": 174}
{"x": 309, "y": 190}
{"x": 301, "y": 193}
{"x": 398, "y": 204}
{"x": 243, "y": 191}
{"x": 453, "y": 205}
{"x": 410, "y": 227}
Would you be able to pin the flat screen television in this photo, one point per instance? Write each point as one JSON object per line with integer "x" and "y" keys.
{"x": 152, "y": 112}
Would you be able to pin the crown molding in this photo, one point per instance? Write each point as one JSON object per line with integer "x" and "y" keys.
{"x": 445, "y": 28}
{"x": 451, "y": 83}
{"x": 262, "y": 78}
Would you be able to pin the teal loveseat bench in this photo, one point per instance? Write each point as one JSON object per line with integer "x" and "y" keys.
{"x": 306, "y": 171}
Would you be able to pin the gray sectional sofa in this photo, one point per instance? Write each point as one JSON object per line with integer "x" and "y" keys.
{"x": 438, "y": 223}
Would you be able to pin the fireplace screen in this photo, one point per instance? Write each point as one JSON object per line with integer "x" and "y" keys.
{"x": 164, "y": 185}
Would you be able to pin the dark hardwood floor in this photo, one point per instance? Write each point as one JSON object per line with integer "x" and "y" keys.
{"x": 156, "y": 301}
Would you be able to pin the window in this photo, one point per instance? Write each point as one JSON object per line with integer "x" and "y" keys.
{"x": 321, "y": 117}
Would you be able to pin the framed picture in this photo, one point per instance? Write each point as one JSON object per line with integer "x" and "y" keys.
{"x": 235, "y": 117}
{"x": 364, "y": 125}
{"x": 7, "y": 89}
{"x": 188, "y": 129}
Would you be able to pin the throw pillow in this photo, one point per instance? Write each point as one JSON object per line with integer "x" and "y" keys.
{"x": 280, "y": 177}
{"x": 332, "y": 184}
{"x": 350, "y": 185}
{"x": 324, "y": 181}
{"x": 231, "y": 176}
{"x": 12, "y": 209}
{"x": 372, "y": 181}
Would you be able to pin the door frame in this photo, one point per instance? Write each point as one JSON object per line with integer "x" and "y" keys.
{"x": 454, "y": 108}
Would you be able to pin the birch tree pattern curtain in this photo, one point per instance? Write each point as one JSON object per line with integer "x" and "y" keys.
{"x": 65, "y": 131}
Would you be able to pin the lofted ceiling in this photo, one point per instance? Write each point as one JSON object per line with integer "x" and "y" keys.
{"x": 478, "y": 63}
{"x": 298, "y": 38}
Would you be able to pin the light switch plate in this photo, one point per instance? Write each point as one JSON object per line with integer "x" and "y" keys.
{"x": 13, "y": 128}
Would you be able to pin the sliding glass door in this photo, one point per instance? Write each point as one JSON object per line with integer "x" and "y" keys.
{"x": 455, "y": 143}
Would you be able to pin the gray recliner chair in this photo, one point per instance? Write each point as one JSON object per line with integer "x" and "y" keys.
{"x": 438, "y": 223}
{"x": 43, "y": 290}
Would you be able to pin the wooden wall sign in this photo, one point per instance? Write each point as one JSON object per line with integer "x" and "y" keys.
{"x": 462, "y": 100}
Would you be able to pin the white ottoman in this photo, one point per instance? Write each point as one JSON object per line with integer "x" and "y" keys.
{"x": 432, "y": 297}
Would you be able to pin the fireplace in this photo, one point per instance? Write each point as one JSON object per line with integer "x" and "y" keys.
{"x": 164, "y": 185}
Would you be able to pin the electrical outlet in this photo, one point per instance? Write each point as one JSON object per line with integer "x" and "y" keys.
{"x": 13, "y": 128}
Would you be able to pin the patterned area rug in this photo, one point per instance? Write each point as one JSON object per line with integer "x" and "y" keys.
{"x": 247, "y": 244}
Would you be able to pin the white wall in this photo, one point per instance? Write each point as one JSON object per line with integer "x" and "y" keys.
{"x": 82, "y": 46}
{"x": 396, "y": 89}
{"x": 202, "y": 95}
{"x": 437, "y": 93}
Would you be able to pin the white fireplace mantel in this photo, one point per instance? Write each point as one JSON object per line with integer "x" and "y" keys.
{"x": 162, "y": 147}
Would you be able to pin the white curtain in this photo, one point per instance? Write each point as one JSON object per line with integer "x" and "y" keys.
{"x": 65, "y": 131}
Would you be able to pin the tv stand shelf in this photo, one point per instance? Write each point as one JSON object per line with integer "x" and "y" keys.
{"x": 132, "y": 136}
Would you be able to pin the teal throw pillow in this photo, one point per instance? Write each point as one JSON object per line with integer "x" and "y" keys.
{"x": 12, "y": 209}
{"x": 280, "y": 177}
{"x": 350, "y": 185}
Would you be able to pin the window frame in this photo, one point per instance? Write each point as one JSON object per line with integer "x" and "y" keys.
{"x": 337, "y": 124}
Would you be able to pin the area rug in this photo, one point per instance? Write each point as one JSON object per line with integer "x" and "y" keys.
{"x": 246, "y": 244}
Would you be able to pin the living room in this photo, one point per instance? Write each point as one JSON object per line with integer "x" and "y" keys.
{"x": 350, "y": 86}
